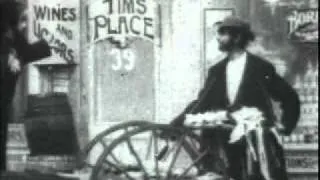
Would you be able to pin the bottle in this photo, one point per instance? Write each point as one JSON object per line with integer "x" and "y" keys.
{"x": 286, "y": 139}
{"x": 301, "y": 138}
{"x": 294, "y": 138}
{"x": 298, "y": 87}
{"x": 316, "y": 136}
{"x": 308, "y": 82}
{"x": 297, "y": 82}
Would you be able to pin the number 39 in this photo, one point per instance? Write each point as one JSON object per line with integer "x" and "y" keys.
{"x": 123, "y": 59}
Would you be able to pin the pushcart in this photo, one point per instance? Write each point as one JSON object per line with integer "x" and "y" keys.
{"x": 140, "y": 150}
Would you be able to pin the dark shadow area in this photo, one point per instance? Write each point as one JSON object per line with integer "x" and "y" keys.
{"x": 50, "y": 126}
{"x": 30, "y": 176}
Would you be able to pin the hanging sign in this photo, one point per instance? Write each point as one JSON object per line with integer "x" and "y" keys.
{"x": 121, "y": 20}
{"x": 58, "y": 23}
{"x": 303, "y": 25}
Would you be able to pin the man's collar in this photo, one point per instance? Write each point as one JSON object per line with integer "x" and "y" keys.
{"x": 242, "y": 56}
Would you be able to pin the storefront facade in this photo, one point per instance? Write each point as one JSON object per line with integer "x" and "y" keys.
{"x": 145, "y": 60}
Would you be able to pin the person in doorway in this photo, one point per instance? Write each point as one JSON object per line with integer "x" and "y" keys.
{"x": 244, "y": 80}
{"x": 15, "y": 53}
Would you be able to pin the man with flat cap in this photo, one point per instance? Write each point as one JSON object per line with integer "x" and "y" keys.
{"x": 244, "y": 80}
{"x": 15, "y": 53}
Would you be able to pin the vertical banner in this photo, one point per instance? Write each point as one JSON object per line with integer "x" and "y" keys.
{"x": 57, "y": 22}
{"x": 121, "y": 35}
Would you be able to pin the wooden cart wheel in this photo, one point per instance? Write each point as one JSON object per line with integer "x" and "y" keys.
{"x": 102, "y": 140}
{"x": 141, "y": 154}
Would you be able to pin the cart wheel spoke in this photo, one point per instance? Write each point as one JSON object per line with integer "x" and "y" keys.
{"x": 111, "y": 154}
{"x": 156, "y": 150}
{"x": 150, "y": 141}
{"x": 193, "y": 144}
{"x": 192, "y": 152}
{"x": 153, "y": 151}
{"x": 176, "y": 154}
{"x": 137, "y": 157}
{"x": 120, "y": 170}
{"x": 192, "y": 165}
{"x": 116, "y": 160}
{"x": 103, "y": 143}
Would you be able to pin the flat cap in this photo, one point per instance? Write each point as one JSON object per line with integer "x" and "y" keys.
{"x": 238, "y": 25}
{"x": 235, "y": 22}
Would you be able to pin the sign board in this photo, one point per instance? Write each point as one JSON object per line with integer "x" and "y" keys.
{"x": 303, "y": 25}
{"x": 120, "y": 20}
{"x": 58, "y": 22}
{"x": 124, "y": 82}
{"x": 121, "y": 36}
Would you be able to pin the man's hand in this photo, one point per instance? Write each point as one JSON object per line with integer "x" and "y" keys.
{"x": 14, "y": 63}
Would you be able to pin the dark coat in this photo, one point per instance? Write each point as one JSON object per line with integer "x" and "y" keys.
{"x": 260, "y": 84}
{"x": 26, "y": 53}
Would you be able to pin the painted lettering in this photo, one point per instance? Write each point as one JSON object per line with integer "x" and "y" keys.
{"x": 132, "y": 22}
{"x": 58, "y": 46}
{"x": 148, "y": 28}
{"x": 123, "y": 26}
{"x": 103, "y": 25}
{"x": 110, "y": 5}
{"x": 298, "y": 18}
{"x": 126, "y": 6}
{"x": 123, "y": 59}
{"x": 122, "y": 20}
{"x": 54, "y": 13}
{"x": 65, "y": 31}
{"x": 142, "y": 8}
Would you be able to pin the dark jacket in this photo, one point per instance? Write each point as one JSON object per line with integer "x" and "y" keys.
{"x": 11, "y": 39}
{"x": 26, "y": 53}
{"x": 260, "y": 84}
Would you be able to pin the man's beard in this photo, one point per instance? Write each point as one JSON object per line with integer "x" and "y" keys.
{"x": 226, "y": 47}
